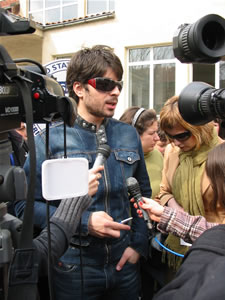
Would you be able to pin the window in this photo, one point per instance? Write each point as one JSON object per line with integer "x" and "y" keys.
{"x": 151, "y": 76}
{"x": 222, "y": 75}
{"x": 99, "y": 6}
{"x": 51, "y": 11}
{"x": 205, "y": 73}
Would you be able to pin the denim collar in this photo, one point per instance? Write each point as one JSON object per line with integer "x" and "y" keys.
{"x": 101, "y": 134}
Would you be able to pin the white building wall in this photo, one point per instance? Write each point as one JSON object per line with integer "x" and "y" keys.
{"x": 136, "y": 23}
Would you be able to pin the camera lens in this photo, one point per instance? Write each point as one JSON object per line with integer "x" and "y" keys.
{"x": 202, "y": 41}
{"x": 211, "y": 40}
{"x": 200, "y": 103}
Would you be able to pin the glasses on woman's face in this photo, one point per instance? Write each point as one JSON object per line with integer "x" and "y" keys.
{"x": 181, "y": 137}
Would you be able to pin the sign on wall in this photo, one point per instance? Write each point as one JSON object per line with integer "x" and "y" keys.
{"x": 58, "y": 68}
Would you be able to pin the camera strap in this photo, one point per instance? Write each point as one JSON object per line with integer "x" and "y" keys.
{"x": 23, "y": 273}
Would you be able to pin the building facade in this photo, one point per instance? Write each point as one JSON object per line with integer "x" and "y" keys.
{"x": 140, "y": 32}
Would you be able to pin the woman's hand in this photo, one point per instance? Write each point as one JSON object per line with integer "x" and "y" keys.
{"x": 93, "y": 182}
{"x": 153, "y": 208}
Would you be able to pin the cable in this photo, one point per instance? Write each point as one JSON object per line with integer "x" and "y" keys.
{"x": 50, "y": 263}
{"x": 65, "y": 149}
{"x": 167, "y": 249}
{"x": 50, "y": 277}
{"x": 12, "y": 160}
{"x": 81, "y": 264}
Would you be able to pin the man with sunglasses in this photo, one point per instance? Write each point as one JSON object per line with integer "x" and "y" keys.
{"x": 102, "y": 259}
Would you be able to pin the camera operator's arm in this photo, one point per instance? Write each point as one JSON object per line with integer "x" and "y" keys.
{"x": 63, "y": 224}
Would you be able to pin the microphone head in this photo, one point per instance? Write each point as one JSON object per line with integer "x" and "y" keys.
{"x": 104, "y": 150}
{"x": 133, "y": 186}
{"x": 135, "y": 192}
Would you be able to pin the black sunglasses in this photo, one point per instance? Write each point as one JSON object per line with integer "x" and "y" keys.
{"x": 105, "y": 84}
{"x": 184, "y": 136}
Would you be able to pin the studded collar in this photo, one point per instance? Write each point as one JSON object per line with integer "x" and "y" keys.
{"x": 101, "y": 134}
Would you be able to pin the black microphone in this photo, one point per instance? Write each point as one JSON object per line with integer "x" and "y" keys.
{"x": 135, "y": 192}
{"x": 103, "y": 153}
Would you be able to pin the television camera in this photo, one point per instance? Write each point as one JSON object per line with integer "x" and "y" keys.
{"x": 201, "y": 42}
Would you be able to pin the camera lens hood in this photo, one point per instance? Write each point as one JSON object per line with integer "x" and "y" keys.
{"x": 194, "y": 103}
{"x": 202, "y": 41}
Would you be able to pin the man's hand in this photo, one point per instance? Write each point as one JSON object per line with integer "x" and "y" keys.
{"x": 129, "y": 255}
{"x": 102, "y": 225}
{"x": 93, "y": 182}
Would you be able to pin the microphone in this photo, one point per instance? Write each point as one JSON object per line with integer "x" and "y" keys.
{"x": 135, "y": 192}
{"x": 103, "y": 153}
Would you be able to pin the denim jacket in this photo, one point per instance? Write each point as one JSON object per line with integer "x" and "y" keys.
{"x": 126, "y": 160}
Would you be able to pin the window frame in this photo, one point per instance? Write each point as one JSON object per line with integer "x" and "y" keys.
{"x": 151, "y": 62}
{"x": 106, "y": 10}
{"x": 217, "y": 74}
{"x": 44, "y": 9}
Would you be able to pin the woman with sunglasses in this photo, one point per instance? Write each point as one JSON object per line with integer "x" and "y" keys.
{"x": 185, "y": 185}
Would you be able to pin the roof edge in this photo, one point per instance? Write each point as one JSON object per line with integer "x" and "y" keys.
{"x": 104, "y": 15}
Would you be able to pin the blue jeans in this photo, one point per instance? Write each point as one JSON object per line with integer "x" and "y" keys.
{"x": 96, "y": 278}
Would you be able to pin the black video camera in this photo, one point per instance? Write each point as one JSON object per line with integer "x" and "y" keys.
{"x": 48, "y": 99}
{"x": 201, "y": 42}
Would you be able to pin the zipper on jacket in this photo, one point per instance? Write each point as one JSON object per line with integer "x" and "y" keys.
{"x": 107, "y": 211}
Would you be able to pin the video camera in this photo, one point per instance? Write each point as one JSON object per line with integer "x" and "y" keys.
{"x": 201, "y": 42}
{"x": 48, "y": 99}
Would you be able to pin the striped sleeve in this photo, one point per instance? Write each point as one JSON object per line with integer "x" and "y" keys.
{"x": 181, "y": 224}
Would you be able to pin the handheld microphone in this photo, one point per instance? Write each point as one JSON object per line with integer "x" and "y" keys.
{"x": 103, "y": 153}
{"x": 135, "y": 192}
